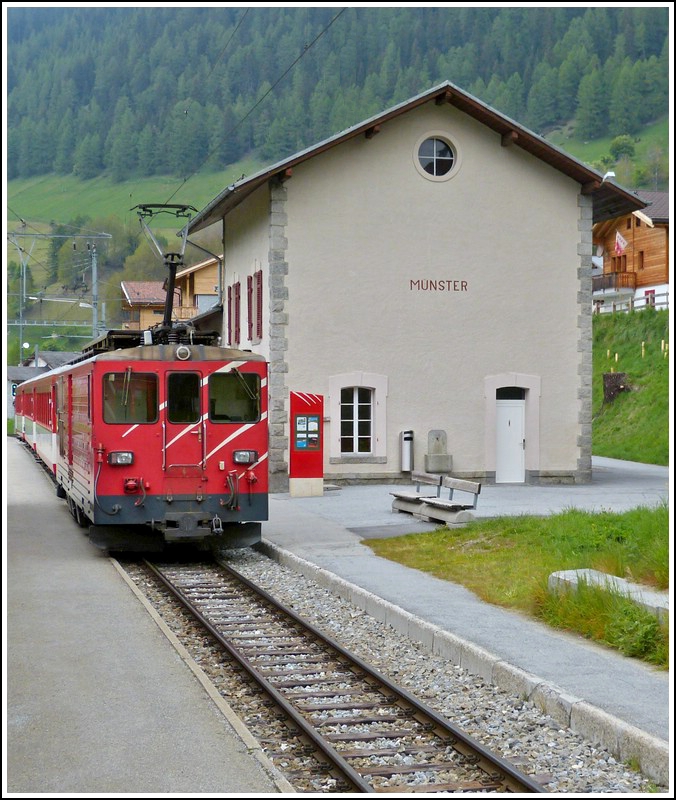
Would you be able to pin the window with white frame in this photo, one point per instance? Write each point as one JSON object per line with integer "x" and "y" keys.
{"x": 358, "y": 419}
{"x": 436, "y": 157}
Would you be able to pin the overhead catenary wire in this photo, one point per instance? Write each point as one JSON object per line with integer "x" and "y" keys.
{"x": 211, "y": 71}
{"x": 306, "y": 49}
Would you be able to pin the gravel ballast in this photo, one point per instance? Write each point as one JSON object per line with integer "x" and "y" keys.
{"x": 512, "y": 728}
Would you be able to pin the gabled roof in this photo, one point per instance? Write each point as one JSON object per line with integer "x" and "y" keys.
{"x": 655, "y": 212}
{"x": 20, "y": 374}
{"x": 658, "y": 205}
{"x": 209, "y": 262}
{"x": 144, "y": 293}
{"x": 610, "y": 200}
{"x": 52, "y": 358}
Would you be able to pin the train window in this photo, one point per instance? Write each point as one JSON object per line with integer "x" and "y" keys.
{"x": 183, "y": 397}
{"x": 234, "y": 397}
{"x": 129, "y": 397}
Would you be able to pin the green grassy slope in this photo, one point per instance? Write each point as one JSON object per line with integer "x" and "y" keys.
{"x": 634, "y": 426}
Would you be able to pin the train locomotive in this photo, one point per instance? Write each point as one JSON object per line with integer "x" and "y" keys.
{"x": 156, "y": 437}
{"x": 155, "y": 444}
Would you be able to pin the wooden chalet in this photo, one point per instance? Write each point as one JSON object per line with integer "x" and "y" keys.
{"x": 196, "y": 290}
{"x": 632, "y": 257}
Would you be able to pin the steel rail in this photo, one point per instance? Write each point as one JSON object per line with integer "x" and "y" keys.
{"x": 335, "y": 761}
{"x": 499, "y": 772}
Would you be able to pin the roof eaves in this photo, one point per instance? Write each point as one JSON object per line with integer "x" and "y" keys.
{"x": 609, "y": 199}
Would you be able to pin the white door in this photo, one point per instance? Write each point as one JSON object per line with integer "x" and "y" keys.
{"x": 510, "y": 442}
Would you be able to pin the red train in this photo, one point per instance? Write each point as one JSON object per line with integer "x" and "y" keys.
{"x": 153, "y": 444}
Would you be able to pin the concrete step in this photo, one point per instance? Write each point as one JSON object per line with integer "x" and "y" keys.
{"x": 654, "y": 601}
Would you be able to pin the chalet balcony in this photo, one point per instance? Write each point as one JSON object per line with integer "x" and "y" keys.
{"x": 136, "y": 321}
{"x": 614, "y": 284}
{"x": 182, "y": 313}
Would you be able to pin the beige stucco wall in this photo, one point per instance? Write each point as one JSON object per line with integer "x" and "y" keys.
{"x": 246, "y": 250}
{"x": 362, "y": 224}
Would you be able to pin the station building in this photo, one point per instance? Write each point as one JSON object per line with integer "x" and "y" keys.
{"x": 427, "y": 273}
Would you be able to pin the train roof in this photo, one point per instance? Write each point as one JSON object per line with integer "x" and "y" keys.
{"x": 123, "y": 339}
{"x": 130, "y": 349}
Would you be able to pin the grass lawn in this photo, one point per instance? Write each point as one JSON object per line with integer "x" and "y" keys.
{"x": 507, "y": 562}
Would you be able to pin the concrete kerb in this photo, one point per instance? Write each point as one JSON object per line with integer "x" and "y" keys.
{"x": 624, "y": 742}
{"x": 253, "y": 747}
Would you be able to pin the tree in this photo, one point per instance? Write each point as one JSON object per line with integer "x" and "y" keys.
{"x": 87, "y": 160}
{"x": 147, "y": 150}
{"x": 120, "y": 149}
{"x": 624, "y": 114}
{"x": 591, "y": 107}
{"x": 144, "y": 264}
{"x": 186, "y": 138}
{"x": 624, "y": 170}
{"x": 571, "y": 72}
{"x": 542, "y": 107}
{"x": 622, "y": 146}
{"x": 657, "y": 168}
{"x": 65, "y": 147}
{"x": 69, "y": 72}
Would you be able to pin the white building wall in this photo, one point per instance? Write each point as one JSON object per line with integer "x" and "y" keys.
{"x": 246, "y": 250}
{"x": 348, "y": 246}
{"x": 363, "y": 224}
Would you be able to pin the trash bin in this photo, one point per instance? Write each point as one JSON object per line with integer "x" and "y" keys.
{"x": 406, "y": 445}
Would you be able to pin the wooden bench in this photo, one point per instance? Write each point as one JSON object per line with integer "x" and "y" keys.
{"x": 453, "y": 511}
{"x": 410, "y": 501}
{"x": 434, "y": 508}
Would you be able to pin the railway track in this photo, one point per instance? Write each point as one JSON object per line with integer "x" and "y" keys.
{"x": 363, "y": 730}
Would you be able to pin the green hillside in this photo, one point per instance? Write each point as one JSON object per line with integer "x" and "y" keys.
{"x": 635, "y": 425}
{"x": 62, "y": 198}
{"x": 101, "y": 90}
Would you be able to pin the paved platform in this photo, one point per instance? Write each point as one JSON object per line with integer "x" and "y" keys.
{"x": 97, "y": 700}
{"x": 618, "y": 702}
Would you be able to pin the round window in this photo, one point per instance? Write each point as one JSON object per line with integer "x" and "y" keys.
{"x": 436, "y": 158}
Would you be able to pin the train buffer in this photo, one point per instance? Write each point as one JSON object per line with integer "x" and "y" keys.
{"x": 455, "y": 510}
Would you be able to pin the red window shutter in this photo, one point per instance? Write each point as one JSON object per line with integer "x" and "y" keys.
{"x": 230, "y": 325}
{"x": 249, "y": 306}
{"x": 237, "y": 293}
{"x": 258, "y": 278}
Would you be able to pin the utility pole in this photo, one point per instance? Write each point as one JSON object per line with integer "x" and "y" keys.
{"x": 95, "y": 292}
{"x": 13, "y": 236}
{"x": 23, "y": 257}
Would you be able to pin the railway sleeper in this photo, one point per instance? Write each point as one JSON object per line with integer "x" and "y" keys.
{"x": 456, "y": 786}
{"x": 407, "y": 769}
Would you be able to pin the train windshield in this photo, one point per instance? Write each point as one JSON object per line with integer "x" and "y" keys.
{"x": 234, "y": 397}
{"x": 130, "y": 397}
{"x": 183, "y": 397}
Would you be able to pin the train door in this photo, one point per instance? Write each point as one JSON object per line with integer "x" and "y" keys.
{"x": 185, "y": 450}
{"x": 63, "y": 426}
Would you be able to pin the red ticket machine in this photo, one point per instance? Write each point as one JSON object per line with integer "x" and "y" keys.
{"x": 306, "y": 457}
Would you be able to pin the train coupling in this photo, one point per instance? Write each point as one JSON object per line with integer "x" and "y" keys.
{"x": 217, "y": 525}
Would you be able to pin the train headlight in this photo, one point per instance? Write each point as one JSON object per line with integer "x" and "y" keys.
{"x": 245, "y": 456}
{"x": 121, "y": 458}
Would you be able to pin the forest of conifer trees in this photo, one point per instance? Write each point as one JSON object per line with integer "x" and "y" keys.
{"x": 146, "y": 91}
